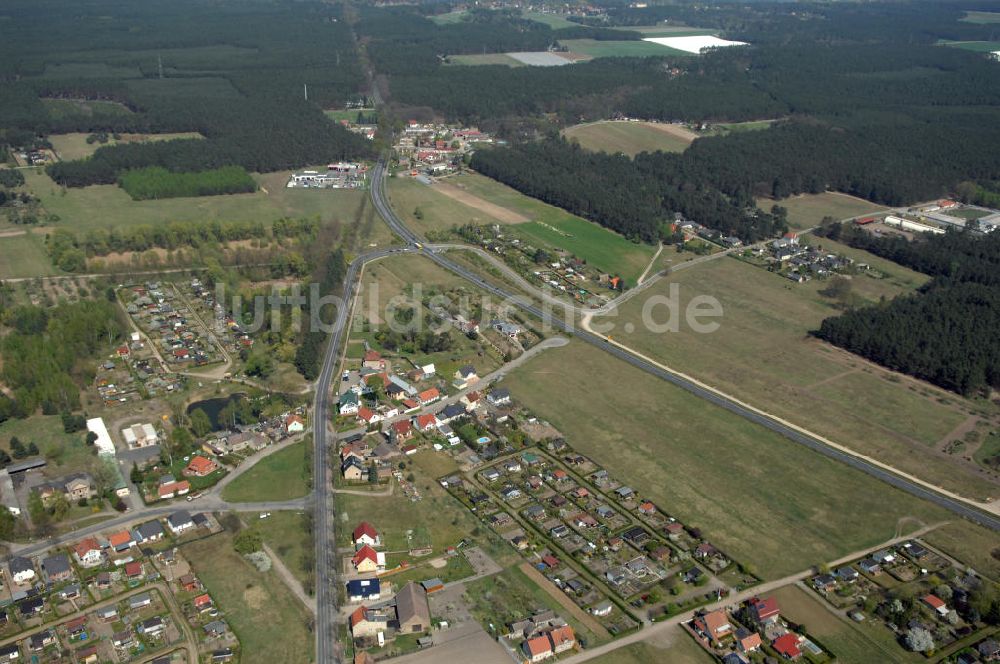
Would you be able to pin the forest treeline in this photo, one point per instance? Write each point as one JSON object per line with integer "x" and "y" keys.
{"x": 945, "y": 334}
{"x": 635, "y": 198}
{"x": 152, "y": 63}
{"x": 50, "y": 354}
{"x": 176, "y": 234}
{"x": 156, "y": 182}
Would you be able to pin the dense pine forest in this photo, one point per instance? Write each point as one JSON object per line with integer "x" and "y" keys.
{"x": 945, "y": 334}
{"x": 235, "y": 72}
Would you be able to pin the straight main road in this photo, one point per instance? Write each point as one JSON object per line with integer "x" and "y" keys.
{"x": 962, "y": 507}
{"x": 326, "y": 593}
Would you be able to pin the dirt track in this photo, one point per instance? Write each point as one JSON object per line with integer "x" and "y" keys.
{"x": 585, "y": 618}
{"x": 501, "y": 214}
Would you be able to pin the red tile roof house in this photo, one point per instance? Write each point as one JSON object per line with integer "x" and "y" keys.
{"x": 402, "y": 430}
{"x": 538, "y": 648}
{"x": 200, "y": 466}
{"x": 373, "y": 360}
{"x": 367, "y": 416}
{"x": 748, "y": 641}
{"x": 763, "y": 611}
{"x": 714, "y": 625}
{"x": 562, "y": 639}
{"x": 133, "y": 570}
{"x": 647, "y": 508}
{"x": 429, "y": 396}
{"x": 936, "y": 604}
{"x": 365, "y": 533}
{"x": 88, "y": 552}
{"x": 787, "y": 646}
{"x": 202, "y": 602}
{"x": 426, "y": 422}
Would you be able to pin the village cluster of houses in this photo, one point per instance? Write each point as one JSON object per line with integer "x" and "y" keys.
{"x": 753, "y": 627}
{"x": 359, "y": 457}
{"x": 800, "y": 262}
{"x": 560, "y": 271}
{"x": 404, "y": 612}
{"x": 179, "y": 337}
{"x": 100, "y": 578}
{"x": 542, "y": 636}
{"x": 941, "y": 589}
{"x": 436, "y": 148}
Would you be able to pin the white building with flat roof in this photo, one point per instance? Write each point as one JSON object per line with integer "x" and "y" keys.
{"x": 103, "y": 443}
{"x": 140, "y": 435}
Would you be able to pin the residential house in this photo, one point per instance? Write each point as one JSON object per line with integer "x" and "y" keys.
{"x": 365, "y": 534}
{"x": 714, "y": 625}
{"x": 372, "y": 360}
{"x": 21, "y": 570}
{"x": 133, "y": 570}
{"x": 412, "y": 613}
{"x": 41, "y": 640}
{"x": 428, "y": 396}
{"x": 787, "y": 645}
{"x": 72, "y": 591}
{"x": 870, "y": 566}
{"x": 202, "y": 602}
{"x": 824, "y": 582}
{"x": 152, "y": 627}
{"x": 32, "y": 606}
{"x": 107, "y": 613}
{"x": 748, "y": 641}
{"x": 10, "y": 653}
{"x": 353, "y": 469}
{"x": 935, "y": 603}
{"x": 465, "y": 376}
{"x": 400, "y": 431}
{"x": 349, "y": 403}
{"x": 88, "y": 552}
{"x": 562, "y": 639}
{"x": 200, "y": 466}
{"x": 366, "y": 559}
{"x": 122, "y": 640}
{"x": 139, "y": 601}
{"x": 367, "y": 623}
{"x": 121, "y": 541}
{"x": 57, "y": 568}
{"x": 168, "y": 490}
{"x": 647, "y": 508}
{"x": 426, "y": 422}
{"x": 151, "y": 531}
{"x": 87, "y": 655}
{"x": 451, "y": 412}
{"x": 180, "y": 522}
{"x": 499, "y": 397}
{"x": 361, "y": 590}
{"x": 538, "y": 648}
{"x": 764, "y": 611}
{"x": 989, "y": 650}
{"x": 847, "y": 574}
{"x": 294, "y": 424}
{"x": 189, "y": 583}
{"x": 216, "y": 628}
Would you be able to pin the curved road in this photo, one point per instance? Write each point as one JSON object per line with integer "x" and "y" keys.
{"x": 958, "y": 506}
{"x": 326, "y": 593}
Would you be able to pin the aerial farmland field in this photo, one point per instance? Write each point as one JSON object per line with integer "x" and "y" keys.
{"x": 631, "y": 138}
{"x": 702, "y": 464}
{"x": 762, "y": 354}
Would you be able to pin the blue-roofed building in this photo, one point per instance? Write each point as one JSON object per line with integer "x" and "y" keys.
{"x": 360, "y": 590}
